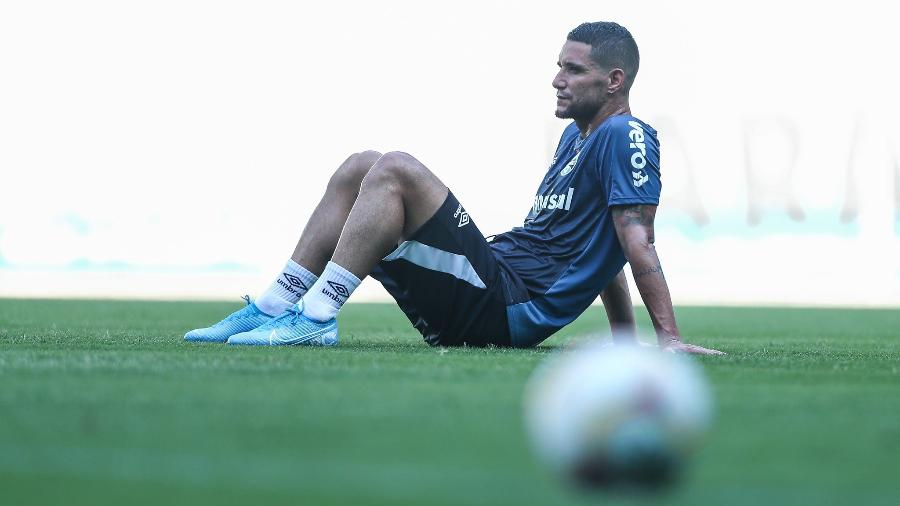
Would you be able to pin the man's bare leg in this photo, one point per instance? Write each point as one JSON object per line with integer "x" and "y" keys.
{"x": 313, "y": 250}
{"x": 319, "y": 237}
{"x": 397, "y": 197}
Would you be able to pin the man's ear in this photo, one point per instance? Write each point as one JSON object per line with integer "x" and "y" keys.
{"x": 616, "y": 81}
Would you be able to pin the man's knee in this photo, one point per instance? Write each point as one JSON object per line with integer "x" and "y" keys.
{"x": 396, "y": 167}
{"x": 351, "y": 173}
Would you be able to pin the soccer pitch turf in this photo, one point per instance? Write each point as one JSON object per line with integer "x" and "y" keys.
{"x": 103, "y": 403}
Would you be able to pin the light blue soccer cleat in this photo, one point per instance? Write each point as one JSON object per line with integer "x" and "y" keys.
{"x": 247, "y": 318}
{"x": 288, "y": 329}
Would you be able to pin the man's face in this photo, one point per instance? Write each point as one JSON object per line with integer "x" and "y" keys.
{"x": 580, "y": 84}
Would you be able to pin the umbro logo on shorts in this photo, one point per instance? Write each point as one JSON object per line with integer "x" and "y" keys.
{"x": 339, "y": 288}
{"x": 462, "y": 215}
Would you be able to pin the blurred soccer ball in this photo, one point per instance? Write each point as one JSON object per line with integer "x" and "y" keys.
{"x": 617, "y": 416}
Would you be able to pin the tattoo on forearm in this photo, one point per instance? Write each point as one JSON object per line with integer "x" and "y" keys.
{"x": 649, "y": 270}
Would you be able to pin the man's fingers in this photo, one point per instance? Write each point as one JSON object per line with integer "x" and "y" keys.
{"x": 680, "y": 347}
{"x": 704, "y": 351}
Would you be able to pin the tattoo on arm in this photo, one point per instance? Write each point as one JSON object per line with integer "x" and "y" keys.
{"x": 635, "y": 215}
{"x": 627, "y": 217}
{"x": 649, "y": 270}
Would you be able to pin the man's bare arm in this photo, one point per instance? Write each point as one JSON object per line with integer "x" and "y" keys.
{"x": 619, "y": 310}
{"x": 634, "y": 226}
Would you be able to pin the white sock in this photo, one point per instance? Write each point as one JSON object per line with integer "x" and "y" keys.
{"x": 329, "y": 293}
{"x": 286, "y": 290}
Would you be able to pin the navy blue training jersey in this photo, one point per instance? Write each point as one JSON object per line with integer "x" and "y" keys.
{"x": 567, "y": 250}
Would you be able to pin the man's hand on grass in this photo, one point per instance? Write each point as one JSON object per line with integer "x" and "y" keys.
{"x": 675, "y": 345}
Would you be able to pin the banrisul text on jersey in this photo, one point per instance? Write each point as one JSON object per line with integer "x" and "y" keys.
{"x": 567, "y": 250}
{"x": 561, "y": 201}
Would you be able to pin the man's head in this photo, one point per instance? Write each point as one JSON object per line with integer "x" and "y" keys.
{"x": 598, "y": 63}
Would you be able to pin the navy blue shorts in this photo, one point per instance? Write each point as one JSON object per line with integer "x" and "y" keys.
{"x": 448, "y": 282}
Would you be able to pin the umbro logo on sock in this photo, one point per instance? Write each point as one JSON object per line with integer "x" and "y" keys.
{"x": 462, "y": 215}
{"x": 339, "y": 288}
{"x": 293, "y": 283}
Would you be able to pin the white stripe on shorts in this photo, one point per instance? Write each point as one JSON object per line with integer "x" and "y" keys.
{"x": 438, "y": 260}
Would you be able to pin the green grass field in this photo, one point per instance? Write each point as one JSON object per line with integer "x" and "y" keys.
{"x": 103, "y": 403}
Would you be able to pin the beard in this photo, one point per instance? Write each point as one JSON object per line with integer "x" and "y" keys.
{"x": 579, "y": 110}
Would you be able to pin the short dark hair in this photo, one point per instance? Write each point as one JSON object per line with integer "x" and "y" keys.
{"x": 612, "y": 46}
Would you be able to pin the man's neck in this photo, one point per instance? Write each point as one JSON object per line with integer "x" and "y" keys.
{"x": 611, "y": 108}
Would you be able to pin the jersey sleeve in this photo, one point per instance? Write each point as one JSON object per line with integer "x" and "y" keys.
{"x": 633, "y": 165}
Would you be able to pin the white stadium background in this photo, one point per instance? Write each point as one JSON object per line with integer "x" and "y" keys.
{"x": 175, "y": 149}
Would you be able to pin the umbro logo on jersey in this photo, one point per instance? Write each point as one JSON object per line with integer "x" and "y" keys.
{"x": 638, "y": 157}
{"x": 570, "y": 166}
{"x": 292, "y": 283}
{"x": 561, "y": 201}
{"x": 462, "y": 215}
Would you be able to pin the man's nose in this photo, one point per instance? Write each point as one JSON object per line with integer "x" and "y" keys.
{"x": 558, "y": 82}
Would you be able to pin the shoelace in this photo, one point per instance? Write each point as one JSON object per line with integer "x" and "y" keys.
{"x": 294, "y": 311}
{"x": 237, "y": 315}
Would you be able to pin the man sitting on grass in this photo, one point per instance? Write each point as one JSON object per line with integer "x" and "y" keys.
{"x": 389, "y": 217}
